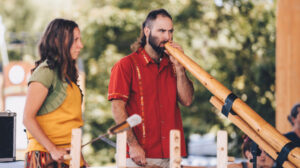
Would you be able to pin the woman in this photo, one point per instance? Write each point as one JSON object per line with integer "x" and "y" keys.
{"x": 53, "y": 103}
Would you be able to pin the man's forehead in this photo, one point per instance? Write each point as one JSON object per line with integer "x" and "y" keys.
{"x": 162, "y": 22}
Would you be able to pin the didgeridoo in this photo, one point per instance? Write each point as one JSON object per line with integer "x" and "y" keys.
{"x": 261, "y": 127}
{"x": 236, "y": 120}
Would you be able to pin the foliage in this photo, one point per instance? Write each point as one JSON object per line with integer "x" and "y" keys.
{"x": 234, "y": 41}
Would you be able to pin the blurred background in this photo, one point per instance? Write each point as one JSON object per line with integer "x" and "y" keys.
{"x": 233, "y": 40}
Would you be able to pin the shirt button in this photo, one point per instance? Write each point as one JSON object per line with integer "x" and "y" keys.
{"x": 162, "y": 122}
{"x": 160, "y": 106}
{"x": 163, "y": 137}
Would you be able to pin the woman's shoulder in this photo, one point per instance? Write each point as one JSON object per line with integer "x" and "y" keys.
{"x": 43, "y": 74}
{"x": 43, "y": 67}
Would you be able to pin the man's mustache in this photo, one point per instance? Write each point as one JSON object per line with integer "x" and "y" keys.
{"x": 164, "y": 42}
{"x": 163, "y": 47}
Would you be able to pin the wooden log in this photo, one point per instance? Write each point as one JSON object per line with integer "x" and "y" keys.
{"x": 287, "y": 79}
{"x": 264, "y": 129}
{"x": 250, "y": 132}
{"x": 175, "y": 151}
{"x": 222, "y": 156}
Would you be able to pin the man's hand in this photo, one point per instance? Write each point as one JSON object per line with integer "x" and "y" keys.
{"x": 185, "y": 87}
{"x": 176, "y": 64}
{"x": 137, "y": 154}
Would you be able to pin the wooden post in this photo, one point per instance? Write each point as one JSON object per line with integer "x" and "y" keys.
{"x": 121, "y": 149}
{"x": 222, "y": 156}
{"x": 175, "y": 151}
{"x": 75, "y": 148}
{"x": 287, "y": 61}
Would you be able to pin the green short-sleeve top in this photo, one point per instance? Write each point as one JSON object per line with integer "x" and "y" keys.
{"x": 56, "y": 87}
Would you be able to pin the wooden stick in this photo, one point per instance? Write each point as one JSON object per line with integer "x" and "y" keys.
{"x": 175, "y": 151}
{"x": 250, "y": 132}
{"x": 222, "y": 156}
{"x": 264, "y": 129}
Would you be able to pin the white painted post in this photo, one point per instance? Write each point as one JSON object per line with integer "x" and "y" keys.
{"x": 121, "y": 149}
{"x": 75, "y": 148}
{"x": 222, "y": 157}
{"x": 175, "y": 150}
{"x": 3, "y": 48}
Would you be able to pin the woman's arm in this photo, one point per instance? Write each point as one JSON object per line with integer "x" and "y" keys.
{"x": 36, "y": 95}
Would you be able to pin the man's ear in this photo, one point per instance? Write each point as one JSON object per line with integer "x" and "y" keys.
{"x": 146, "y": 31}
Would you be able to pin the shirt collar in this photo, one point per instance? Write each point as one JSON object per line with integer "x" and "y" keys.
{"x": 146, "y": 59}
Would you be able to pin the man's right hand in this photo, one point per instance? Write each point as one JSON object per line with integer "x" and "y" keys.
{"x": 137, "y": 154}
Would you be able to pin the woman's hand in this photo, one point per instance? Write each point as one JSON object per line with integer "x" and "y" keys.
{"x": 57, "y": 154}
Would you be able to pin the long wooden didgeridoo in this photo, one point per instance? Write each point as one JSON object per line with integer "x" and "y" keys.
{"x": 250, "y": 132}
{"x": 264, "y": 129}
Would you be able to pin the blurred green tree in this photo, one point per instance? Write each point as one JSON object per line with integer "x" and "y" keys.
{"x": 233, "y": 40}
{"x": 18, "y": 23}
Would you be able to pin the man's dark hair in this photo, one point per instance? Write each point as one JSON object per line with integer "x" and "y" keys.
{"x": 55, "y": 46}
{"x": 294, "y": 113}
{"x": 141, "y": 41}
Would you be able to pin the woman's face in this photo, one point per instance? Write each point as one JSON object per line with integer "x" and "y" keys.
{"x": 77, "y": 44}
{"x": 263, "y": 161}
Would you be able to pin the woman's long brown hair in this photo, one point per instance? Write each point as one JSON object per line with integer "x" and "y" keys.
{"x": 54, "y": 47}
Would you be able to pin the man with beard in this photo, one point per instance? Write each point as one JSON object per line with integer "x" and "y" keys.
{"x": 149, "y": 82}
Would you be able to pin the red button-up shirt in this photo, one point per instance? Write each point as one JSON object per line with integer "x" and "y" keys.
{"x": 150, "y": 91}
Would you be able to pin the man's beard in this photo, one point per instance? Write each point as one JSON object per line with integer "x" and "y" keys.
{"x": 153, "y": 41}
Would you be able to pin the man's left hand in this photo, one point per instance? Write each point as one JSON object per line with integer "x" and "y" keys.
{"x": 177, "y": 65}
